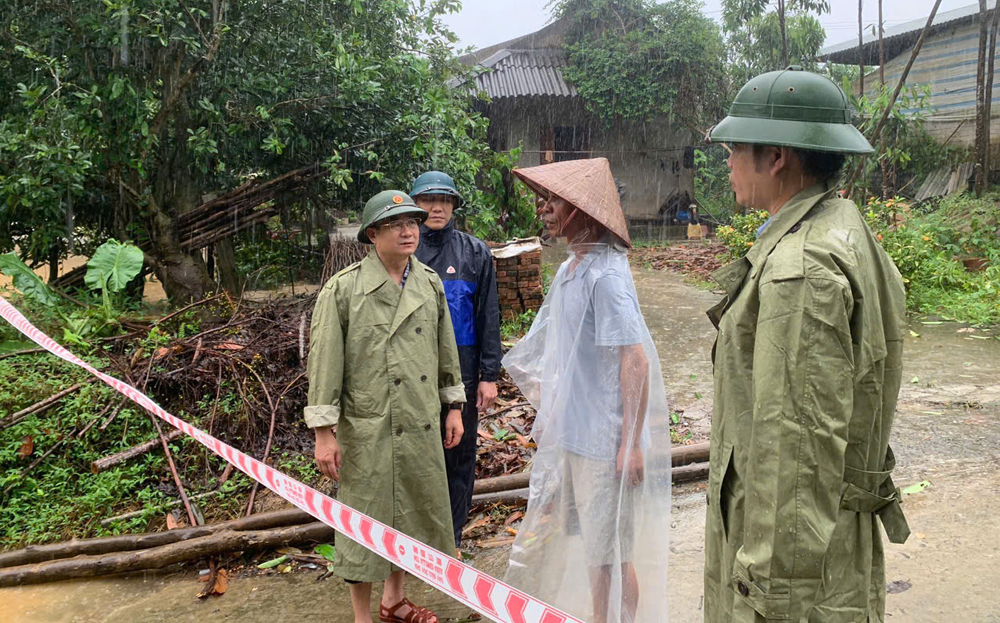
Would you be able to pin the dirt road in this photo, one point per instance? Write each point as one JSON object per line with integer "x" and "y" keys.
{"x": 947, "y": 432}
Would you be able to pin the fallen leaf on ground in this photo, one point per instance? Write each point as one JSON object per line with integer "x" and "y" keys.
{"x": 27, "y": 447}
{"x": 221, "y": 583}
{"x": 513, "y": 517}
{"x": 171, "y": 522}
{"x": 916, "y": 488}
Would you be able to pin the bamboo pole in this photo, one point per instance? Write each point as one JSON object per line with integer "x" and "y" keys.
{"x": 679, "y": 456}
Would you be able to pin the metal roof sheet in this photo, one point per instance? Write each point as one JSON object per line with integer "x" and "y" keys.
{"x": 897, "y": 39}
{"x": 525, "y": 73}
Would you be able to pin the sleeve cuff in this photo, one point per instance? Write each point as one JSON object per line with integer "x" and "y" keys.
{"x": 321, "y": 415}
{"x": 449, "y": 395}
{"x": 488, "y": 376}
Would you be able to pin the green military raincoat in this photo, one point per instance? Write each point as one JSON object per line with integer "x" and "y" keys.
{"x": 807, "y": 370}
{"x": 382, "y": 361}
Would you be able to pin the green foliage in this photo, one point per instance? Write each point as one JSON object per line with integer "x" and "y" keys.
{"x": 516, "y": 327}
{"x": 741, "y": 233}
{"x": 753, "y": 35}
{"x": 909, "y": 153}
{"x": 498, "y": 208}
{"x": 928, "y": 249}
{"x": 640, "y": 60}
{"x": 25, "y": 280}
{"x": 60, "y": 497}
{"x": 113, "y": 266}
{"x": 137, "y": 108}
{"x": 712, "y": 189}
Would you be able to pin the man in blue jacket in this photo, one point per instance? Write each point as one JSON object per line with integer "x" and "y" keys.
{"x": 466, "y": 267}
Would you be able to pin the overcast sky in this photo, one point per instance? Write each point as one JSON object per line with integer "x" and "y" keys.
{"x": 484, "y": 22}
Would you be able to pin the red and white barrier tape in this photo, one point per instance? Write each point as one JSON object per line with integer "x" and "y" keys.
{"x": 488, "y": 596}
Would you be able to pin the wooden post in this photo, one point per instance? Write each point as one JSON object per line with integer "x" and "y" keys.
{"x": 887, "y": 189}
{"x": 784, "y": 35}
{"x": 988, "y": 117}
{"x": 980, "y": 173}
{"x": 861, "y": 52}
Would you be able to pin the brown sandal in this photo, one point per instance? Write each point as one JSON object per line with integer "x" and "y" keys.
{"x": 415, "y": 615}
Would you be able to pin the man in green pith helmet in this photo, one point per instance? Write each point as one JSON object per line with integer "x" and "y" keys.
{"x": 465, "y": 265}
{"x": 807, "y": 371}
{"x": 382, "y": 362}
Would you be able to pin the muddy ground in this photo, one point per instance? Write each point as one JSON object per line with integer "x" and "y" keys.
{"x": 947, "y": 432}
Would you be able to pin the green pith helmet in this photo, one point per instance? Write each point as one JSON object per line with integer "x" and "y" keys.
{"x": 792, "y": 108}
{"x": 436, "y": 183}
{"x": 387, "y": 204}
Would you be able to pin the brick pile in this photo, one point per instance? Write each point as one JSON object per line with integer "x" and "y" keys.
{"x": 519, "y": 278}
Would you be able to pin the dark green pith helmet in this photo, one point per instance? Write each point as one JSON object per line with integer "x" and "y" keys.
{"x": 387, "y": 204}
{"x": 436, "y": 183}
{"x": 792, "y": 108}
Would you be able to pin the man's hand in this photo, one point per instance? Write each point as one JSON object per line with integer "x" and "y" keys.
{"x": 453, "y": 429}
{"x": 486, "y": 395}
{"x": 630, "y": 460}
{"x": 328, "y": 457}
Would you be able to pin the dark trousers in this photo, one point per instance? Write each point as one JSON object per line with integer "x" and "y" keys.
{"x": 460, "y": 463}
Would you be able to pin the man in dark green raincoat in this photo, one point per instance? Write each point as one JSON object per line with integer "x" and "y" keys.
{"x": 382, "y": 361}
{"x": 807, "y": 370}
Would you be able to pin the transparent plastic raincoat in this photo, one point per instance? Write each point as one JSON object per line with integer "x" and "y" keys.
{"x": 594, "y": 536}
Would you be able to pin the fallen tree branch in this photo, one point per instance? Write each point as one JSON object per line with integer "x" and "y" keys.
{"x": 18, "y": 353}
{"x": 163, "y": 556}
{"x": 42, "y": 405}
{"x": 679, "y": 456}
{"x": 170, "y": 504}
{"x": 108, "y": 462}
{"x": 129, "y": 542}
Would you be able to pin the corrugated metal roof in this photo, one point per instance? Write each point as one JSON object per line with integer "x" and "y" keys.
{"x": 897, "y": 39}
{"x": 525, "y": 73}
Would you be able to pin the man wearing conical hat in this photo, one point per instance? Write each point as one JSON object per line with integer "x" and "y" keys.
{"x": 594, "y": 538}
{"x": 382, "y": 362}
{"x": 807, "y": 370}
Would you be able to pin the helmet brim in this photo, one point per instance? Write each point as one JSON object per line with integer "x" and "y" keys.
{"x": 815, "y": 136}
{"x": 420, "y": 213}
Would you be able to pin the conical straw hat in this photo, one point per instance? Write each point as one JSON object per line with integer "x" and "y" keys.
{"x": 587, "y": 184}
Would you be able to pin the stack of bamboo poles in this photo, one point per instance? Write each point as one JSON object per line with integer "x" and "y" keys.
{"x": 241, "y": 208}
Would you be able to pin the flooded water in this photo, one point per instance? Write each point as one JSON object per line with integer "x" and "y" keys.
{"x": 947, "y": 432}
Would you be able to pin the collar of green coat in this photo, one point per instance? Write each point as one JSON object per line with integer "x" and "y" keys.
{"x": 374, "y": 275}
{"x": 787, "y": 217}
{"x": 376, "y": 282}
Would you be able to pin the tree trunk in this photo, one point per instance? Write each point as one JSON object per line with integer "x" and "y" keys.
{"x": 175, "y": 190}
{"x": 164, "y": 556}
{"x": 129, "y": 542}
{"x": 980, "y": 172}
{"x": 225, "y": 257}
